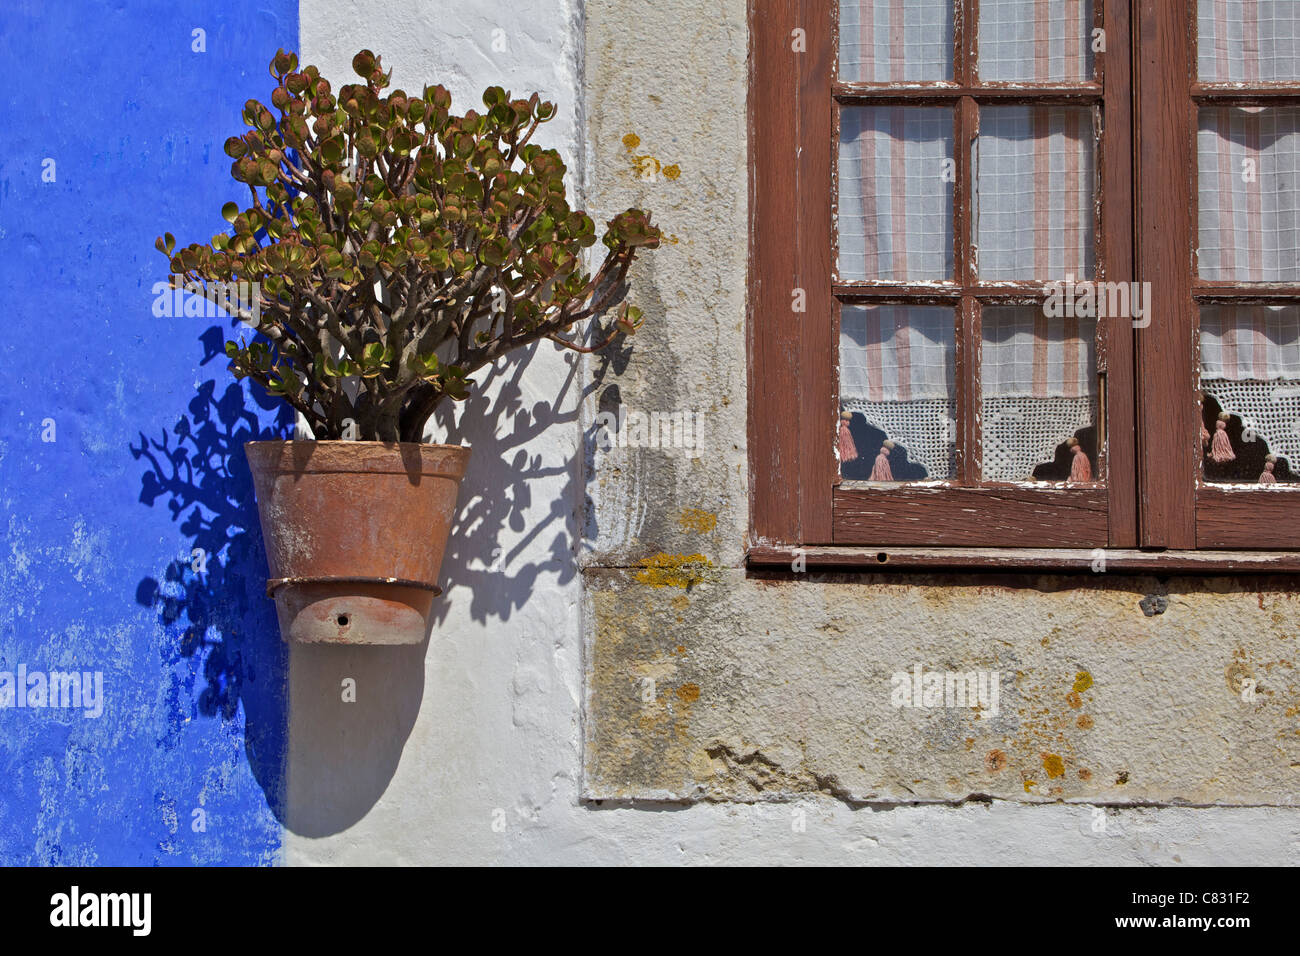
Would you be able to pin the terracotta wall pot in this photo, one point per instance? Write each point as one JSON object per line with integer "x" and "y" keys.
{"x": 355, "y": 533}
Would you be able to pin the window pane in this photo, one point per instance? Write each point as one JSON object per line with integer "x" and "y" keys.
{"x": 1250, "y": 385}
{"x": 896, "y": 384}
{"x": 895, "y": 193}
{"x": 1039, "y": 391}
{"x": 1035, "y": 40}
{"x": 884, "y": 41}
{"x": 1034, "y": 188}
{"x": 1248, "y": 41}
{"x": 1248, "y": 161}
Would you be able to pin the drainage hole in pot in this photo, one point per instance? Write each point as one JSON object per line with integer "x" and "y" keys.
{"x": 343, "y": 620}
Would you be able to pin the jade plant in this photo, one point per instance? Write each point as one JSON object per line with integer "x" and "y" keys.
{"x": 394, "y": 247}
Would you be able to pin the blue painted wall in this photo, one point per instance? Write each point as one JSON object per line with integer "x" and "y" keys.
{"x": 146, "y": 464}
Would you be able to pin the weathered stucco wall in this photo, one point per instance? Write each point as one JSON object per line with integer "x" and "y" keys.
{"x": 770, "y": 688}
{"x": 526, "y": 732}
{"x": 765, "y": 688}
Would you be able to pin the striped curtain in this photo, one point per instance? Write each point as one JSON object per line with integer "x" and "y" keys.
{"x": 895, "y": 353}
{"x": 1249, "y": 185}
{"x": 1035, "y": 181}
{"x": 894, "y": 40}
{"x": 1248, "y": 41}
{"x": 1027, "y": 354}
{"x": 1255, "y": 342}
{"x": 895, "y": 193}
{"x": 1035, "y": 40}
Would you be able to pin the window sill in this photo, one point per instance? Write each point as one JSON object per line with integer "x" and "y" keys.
{"x": 1046, "y": 560}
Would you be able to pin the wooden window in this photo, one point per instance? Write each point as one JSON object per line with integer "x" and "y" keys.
{"x": 924, "y": 177}
{"x": 1219, "y": 169}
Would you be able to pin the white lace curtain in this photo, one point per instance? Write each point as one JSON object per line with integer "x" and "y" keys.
{"x": 1249, "y": 202}
{"x": 1039, "y": 382}
{"x": 1034, "y": 180}
{"x": 1250, "y": 365}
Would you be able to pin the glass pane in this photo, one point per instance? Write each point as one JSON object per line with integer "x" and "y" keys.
{"x": 896, "y": 393}
{"x": 895, "y": 189}
{"x": 1248, "y": 41}
{"x": 1248, "y": 159}
{"x": 1035, "y": 41}
{"x": 883, "y": 41}
{"x": 1250, "y": 389}
{"x": 1034, "y": 188}
{"x": 1039, "y": 396}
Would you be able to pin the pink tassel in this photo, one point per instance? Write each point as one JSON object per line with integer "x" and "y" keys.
{"x": 1221, "y": 447}
{"x": 1266, "y": 478}
{"x": 848, "y": 450}
{"x": 1080, "y": 467}
{"x": 881, "y": 472}
{"x": 1205, "y": 436}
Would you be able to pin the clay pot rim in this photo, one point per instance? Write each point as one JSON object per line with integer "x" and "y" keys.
{"x": 307, "y": 455}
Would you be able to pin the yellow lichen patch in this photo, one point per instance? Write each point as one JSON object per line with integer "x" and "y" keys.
{"x": 1054, "y": 765}
{"x": 647, "y": 167}
{"x": 689, "y": 692}
{"x": 1238, "y": 671}
{"x": 1029, "y": 785}
{"x": 1082, "y": 681}
{"x": 698, "y": 520}
{"x": 673, "y": 570}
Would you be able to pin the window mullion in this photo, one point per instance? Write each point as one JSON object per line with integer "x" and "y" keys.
{"x": 1166, "y": 406}
{"x": 968, "y": 333}
{"x": 1116, "y": 232}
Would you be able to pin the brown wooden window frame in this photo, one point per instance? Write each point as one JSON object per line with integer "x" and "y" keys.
{"x": 1189, "y": 513}
{"x": 1153, "y": 510}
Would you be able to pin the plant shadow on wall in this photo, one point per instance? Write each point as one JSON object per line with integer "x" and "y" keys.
{"x": 212, "y": 604}
{"x": 494, "y": 528}
{"x": 211, "y": 601}
{"x": 346, "y": 752}
{"x": 398, "y": 257}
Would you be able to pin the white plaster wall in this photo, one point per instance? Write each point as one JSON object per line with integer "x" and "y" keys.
{"x": 484, "y": 717}
{"x": 468, "y": 750}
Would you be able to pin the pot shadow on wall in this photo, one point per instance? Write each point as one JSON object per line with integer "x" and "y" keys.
{"x": 221, "y": 648}
{"x": 344, "y": 754}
